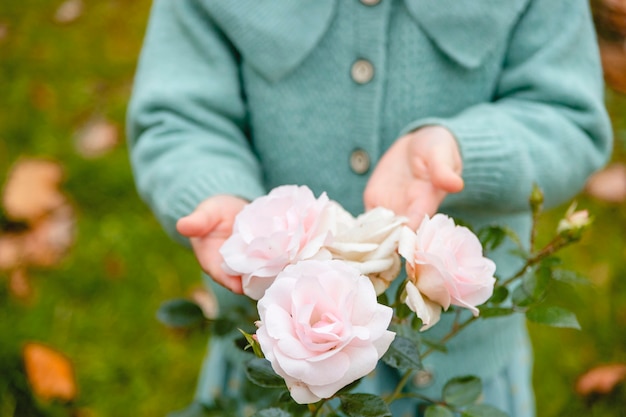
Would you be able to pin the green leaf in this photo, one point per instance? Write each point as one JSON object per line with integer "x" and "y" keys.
{"x": 383, "y": 299}
{"x": 252, "y": 343}
{"x": 482, "y": 410}
{"x": 487, "y": 312}
{"x": 364, "y": 405}
{"x": 521, "y": 298}
{"x": 499, "y": 295}
{"x": 416, "y": 323}
{"x": 570, "y": 277}
{"x": 180, "y": 313}
{"x": 462, "y": 390}
{"x": 403, "y": 354}
{"x": 349, "y": 387}
{"x": 536, "y": 283}
{"x": 272, "y": 412}
{"x": 493, "y": 236}
{"x": 553, "y": 316}
{"x": 222, "y": 326}
{"x": 261, "y": 373}
{"x": 436, "y": 410}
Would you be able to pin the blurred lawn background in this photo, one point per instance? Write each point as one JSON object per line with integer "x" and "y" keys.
{"x": 66, "y": 65}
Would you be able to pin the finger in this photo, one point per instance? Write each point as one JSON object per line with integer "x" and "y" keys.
{"x": 444, "y": 171}
{"x": 199, "y": 223}
{"x": 233, "y": 283}
{"x": 446, "y": 179}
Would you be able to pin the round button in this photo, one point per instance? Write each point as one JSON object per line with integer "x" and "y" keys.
{"x": 362, "y": 71}
{"x": 423, "y": 378}
{"x": 359, "y": 161}
{"x": 370, "y": 2}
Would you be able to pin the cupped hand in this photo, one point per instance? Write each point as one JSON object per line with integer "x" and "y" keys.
{"x": 207, "y": 228}
{"x": 416, "y": 173}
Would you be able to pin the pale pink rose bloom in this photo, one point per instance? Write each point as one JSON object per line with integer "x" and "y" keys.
{"x": 445, "y": 263}
{"x": 428, "y": 311}
{"x": 322, "y": 328}
{"x": 368, "y": 242}
{"x": 285, "y": 226}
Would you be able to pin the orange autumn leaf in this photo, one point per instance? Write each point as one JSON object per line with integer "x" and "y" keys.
{"x": 49, "y": 372}
{"x": 601, "y": 380}
{"x": 32, "y": 195}
{"x": 32, "y": 189}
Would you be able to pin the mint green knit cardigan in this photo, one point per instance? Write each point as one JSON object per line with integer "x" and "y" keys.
{"x": 240, "y": 96}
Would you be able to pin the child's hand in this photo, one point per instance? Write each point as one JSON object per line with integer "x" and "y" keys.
{"x": 210, "y": 224}
{"x": 416, "y": 173}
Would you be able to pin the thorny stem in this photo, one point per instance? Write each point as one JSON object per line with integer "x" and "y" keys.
{"x": 456, "y": 328}
{"x": 396, "y": 393}
{"x": 555, "y": 245}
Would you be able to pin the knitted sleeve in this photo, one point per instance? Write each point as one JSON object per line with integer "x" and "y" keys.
{"x": 547, "y": 123}
{"x": 187, "y": 118}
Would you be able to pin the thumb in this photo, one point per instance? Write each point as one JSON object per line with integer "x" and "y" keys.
{"x": 199, "y": 223}
{"x": 444, "y": 171}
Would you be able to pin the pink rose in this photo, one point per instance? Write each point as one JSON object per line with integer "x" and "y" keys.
{"x": 322, "y": 328}
{"x": 445, "y": 265}
{"x": 285, "y": 226}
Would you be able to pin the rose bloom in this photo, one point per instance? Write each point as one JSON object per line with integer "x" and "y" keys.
{"x": 574, "y": 221}
{"x": 322, "y": 328}
{"x": 445, "y": 265}
{"x": 285, "y": 226}
{"x": 369, "y": 243}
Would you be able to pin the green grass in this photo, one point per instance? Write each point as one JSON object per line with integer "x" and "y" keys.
{"x": 98, "y": 306}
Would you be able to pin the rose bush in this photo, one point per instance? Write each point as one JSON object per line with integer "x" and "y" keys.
{"x": 322, "y": 328}
{"x": 307, "y": 261}
{"x": 445, "y": 265}
{"x": 285, "y": 226}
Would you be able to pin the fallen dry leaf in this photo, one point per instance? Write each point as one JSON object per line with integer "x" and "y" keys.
{"x": 50, "y": 238}
{"x": 97, "y": 138}
{"x": 46, "y": 222}
{"x": 601, "y": 380}
{"x": 50, "y": 373}
{"x": 609, "y": 184}
{"x": 32, "y": 189}
{"x": 69, "y": 11}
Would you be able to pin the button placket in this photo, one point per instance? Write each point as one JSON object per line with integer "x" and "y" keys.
{"x": 370, "y": 29}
